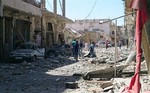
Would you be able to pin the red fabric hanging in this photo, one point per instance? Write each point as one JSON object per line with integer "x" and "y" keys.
{"x": 141, "y": 18}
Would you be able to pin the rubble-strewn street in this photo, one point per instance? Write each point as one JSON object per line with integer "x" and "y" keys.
{"x": 41, "y": 43}
{"x": 63, "y": 74}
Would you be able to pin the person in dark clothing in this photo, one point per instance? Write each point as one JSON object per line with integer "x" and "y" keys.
{"x": 120, "y": 43}
{"x": 91, "y": 48}
{"x": 106, "y": 44}
{"x": 73, "y": 43}
{"x": 91, "y": 51}
{"x": 80, "y": 49}
{"x": 76, "y": 50}
{"x": 127, "y": 42}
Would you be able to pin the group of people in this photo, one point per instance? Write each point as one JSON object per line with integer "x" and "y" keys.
{"x": 77, "y": 49}
{"x": 78, "y": 46}
{"x": 119, "y": 44}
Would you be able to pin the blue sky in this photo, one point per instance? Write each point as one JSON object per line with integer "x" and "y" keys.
{"x": 80, "y": 9}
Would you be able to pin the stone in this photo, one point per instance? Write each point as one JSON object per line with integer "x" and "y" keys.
{"x": 72, "y": 85}
{"x": 77, "y": 74}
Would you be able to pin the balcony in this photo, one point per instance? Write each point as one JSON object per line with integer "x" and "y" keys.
{"x": 33, "y": 2}
{"x": 22, "y": 6}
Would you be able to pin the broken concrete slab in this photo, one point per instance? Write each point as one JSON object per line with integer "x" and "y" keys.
{"x": 108, "y": 88}
{"x": 99, "y": 86}
{"x": 106, "y": 84}
{"x": 104, "y": 73}
{"x": 131, "y": 57}
{"x": 95, "y": 60}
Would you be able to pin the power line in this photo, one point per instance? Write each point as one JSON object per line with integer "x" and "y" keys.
{"x": 60, "y": 6}
{"x": 49, "y": 5}
{"x": 91, "y": 10}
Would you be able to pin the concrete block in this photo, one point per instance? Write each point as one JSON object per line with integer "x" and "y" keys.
{"x": 72, "y": 85}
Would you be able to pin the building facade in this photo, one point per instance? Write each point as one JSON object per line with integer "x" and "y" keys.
{"x": 94, "y": 26}
{"x": 129, "y": 21}
{"x": 16, "y": 23}
{"x": 28, "y": 20}
{"x": 130, "y": 28}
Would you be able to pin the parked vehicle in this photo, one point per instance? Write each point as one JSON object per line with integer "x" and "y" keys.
{"x": 57, "y": 50}
{"x": 27, "y": 51}
{"x": 109, "y": 44}
{"x": 102, "y": 44}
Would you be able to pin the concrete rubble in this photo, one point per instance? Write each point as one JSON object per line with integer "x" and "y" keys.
{"x": 60, "y": 73}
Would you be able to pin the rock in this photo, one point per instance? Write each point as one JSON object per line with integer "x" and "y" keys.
{"x": 106, "y": 85}
{"x": 110, "y": 62}
{"x": 1, "y": 77}
{"x": 77, "y": 74}
{"x": 101, "y": 60}
{"x": 110, "y": 91}
{"x": 72, "y": 85}
{"x": 92, "y": 60}
{"x": 58, "y": 79}
{"x": 108, "y": 88}
{"x": 55, "y": 61}
{"x": 96, "y": 90}
{"x": 17, "y": 73}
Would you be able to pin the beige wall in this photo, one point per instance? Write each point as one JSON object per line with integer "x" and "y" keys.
{"x": 129, "y": 20}
{"x": 32, "y": 28}
{"x": 23, "y": 7}
{"x": 91, "y": 25}
{"x": 92, "y": 36}
{"x": 58, "y": 26}
{"x": 24, "y": 10}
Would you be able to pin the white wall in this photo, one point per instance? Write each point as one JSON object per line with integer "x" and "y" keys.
{"x": 90, "y": 25}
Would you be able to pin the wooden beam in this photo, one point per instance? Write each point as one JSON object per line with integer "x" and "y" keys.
{"x": 146, "y": 48}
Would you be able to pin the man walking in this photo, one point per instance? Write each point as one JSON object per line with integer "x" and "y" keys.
{"x": 76, "y": 50}
{"x": 80, "y": 49}
{"x": 73, "y": 43}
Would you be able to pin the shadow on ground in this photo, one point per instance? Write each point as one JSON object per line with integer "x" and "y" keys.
{"x": 31, "y": 77}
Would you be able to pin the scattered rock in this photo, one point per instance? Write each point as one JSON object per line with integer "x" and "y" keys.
{"x": 72, "y": 85}
{"x": 78, "y": 74}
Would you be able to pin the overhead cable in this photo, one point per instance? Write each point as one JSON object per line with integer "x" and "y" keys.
{"x": 60, "y": 6}
{"x": 91, "y": 10}
{"x": 49, "y": 4}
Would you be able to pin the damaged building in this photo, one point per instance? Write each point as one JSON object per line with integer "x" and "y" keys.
{"x": 29, "y": 20}
{"x": 16, "y": 24}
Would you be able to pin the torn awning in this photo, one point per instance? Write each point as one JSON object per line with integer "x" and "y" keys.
{"x": 75, "y": 32}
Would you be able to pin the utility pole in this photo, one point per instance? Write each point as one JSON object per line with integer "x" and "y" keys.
{"x": 55, "y": 16}
{"x": 116, "y": 50}
{"x": 43, "y": 33}
{"x": 64, "y": 8}
{"x": 64, "y": 14}
{"x": 55, "y": 7}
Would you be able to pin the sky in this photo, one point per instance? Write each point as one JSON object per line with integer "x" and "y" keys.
{"x": 90, "y": 9}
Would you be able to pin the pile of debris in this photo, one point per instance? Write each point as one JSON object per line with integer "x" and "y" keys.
{"x": 56, "y": 50}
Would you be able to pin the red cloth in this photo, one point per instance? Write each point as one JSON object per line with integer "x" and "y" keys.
{"x": 141, "y": 17}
